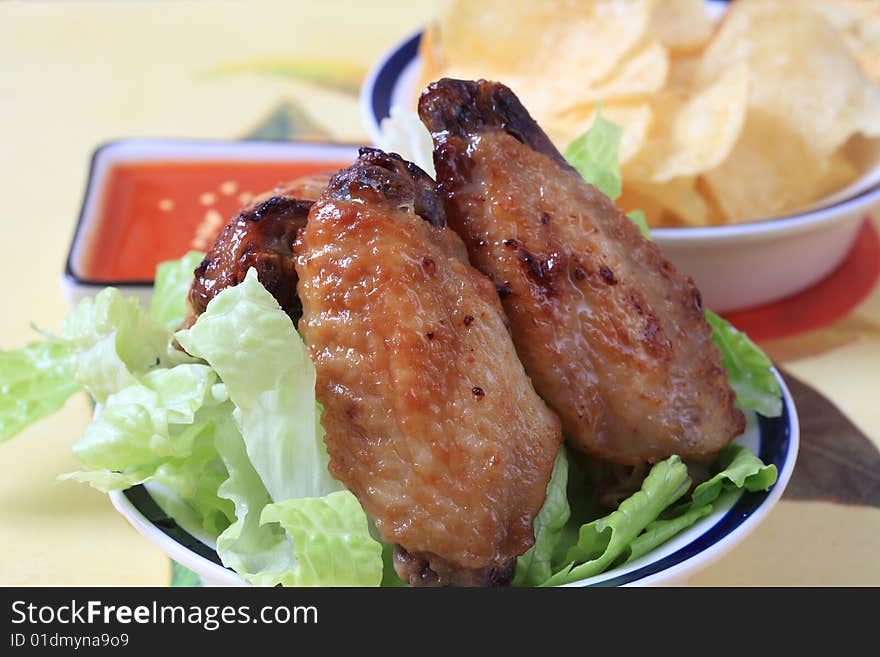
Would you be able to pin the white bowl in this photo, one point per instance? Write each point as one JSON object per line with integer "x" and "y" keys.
{"x": 775, "y": 440}
{"x": 747, "y": 265}
{"x": 737, "y": 266}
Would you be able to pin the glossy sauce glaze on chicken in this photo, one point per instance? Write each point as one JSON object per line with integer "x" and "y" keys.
{"x": 612, "y": 335}
{"x": 430, "y": 418}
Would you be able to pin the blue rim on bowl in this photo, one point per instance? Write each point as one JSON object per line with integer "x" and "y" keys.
{"x": 778, "y": 445}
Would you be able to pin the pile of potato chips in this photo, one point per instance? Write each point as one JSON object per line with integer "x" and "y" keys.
{"x": 764, "y": 112}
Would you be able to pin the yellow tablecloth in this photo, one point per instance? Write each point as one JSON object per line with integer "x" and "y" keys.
{"x": 75, "y": 74}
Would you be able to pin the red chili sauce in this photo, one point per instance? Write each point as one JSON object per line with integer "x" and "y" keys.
{"x": 154, "y": 211}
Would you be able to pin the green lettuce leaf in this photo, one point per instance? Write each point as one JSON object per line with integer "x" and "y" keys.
{"x": 157, "y": 408}
{"x": 173, "y": 278}
{"x": 107, "y": 343}
{"x": 647, "y": 519}
{"x": 35, "y": 381}
{"x": 749, "y": 368}
{"x": 134, "y": 427}
{"x": 301, "y": 542}
{"x": 533, "y": 567}
{"x": 602, "y": 542}
{"x": 738, "y": 469}
{"x": 595, "y": 156}
{"x": 260, "y": 554}
{"x": 162, "y": 430}
{"x": 252, "y": 344}
{"x": 660, "y": 531}
{"x": 331, "y": 540}
{"x": 114, "y": 341}
{"x": 638, "y": 218}
{"x": 290, "y": 525}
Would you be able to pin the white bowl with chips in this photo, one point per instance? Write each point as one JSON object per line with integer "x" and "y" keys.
{"x": 736, "y": 266}
{"x": 748, "y": 265}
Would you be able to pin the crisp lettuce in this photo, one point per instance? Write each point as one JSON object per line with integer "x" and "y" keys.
{"x": 638, "y": 218}
{"x": 294, "y": 524}
{"x": 114, "y": 341}
{"x": 594, "y": 156}
{"x": 601, "y": 542}
{"x": 162, "y": 430}
{"x": 106, "y": 344}
{"x": 157, "y": 406}
{"x": 533, "y": 567}
{"x": 261, "y": 554}
{"x": 252, "y": 344}
{"x": 749, "y": 368}
{"x": 173, "y": 278}
{"x": 659, "y": 531}
{"x": 331, "y": 540}
{"x": 35, "y": 381}
{"x": 737, "y": 468}
{"x": 227, "y": 433}
{"x": 650, "y": 517}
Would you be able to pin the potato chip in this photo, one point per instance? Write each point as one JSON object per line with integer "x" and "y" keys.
{"x": 681, "y": 25}
{"x": 863, "y": 33}
{"x": 749, "y": 120}
{"x": 770, "y": 170}
{"x": 634, "y": 120}
{"x": 839, "y": 173}
{"x": 858, "y": 21}
{"x": 692, "y": 134}
{"x": 800, "y": 71}
{"x": 678, "y": 197}
{"x": 683, "y": 70}
{"x": 570, "y": 44}
{"x": 717, "y": 215}
{"x": 845, "y": 168}
{"x": 633, "y": 199}
{"x": 641, "y": 73}
{"x": 870, "y": 61}
{"x": 807, "y": 96}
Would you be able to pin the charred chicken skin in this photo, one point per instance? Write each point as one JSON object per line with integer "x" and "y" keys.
{"x": 260, "y": 236}
{"x": 430, "y": 418}
{"x": 613, "y": 337}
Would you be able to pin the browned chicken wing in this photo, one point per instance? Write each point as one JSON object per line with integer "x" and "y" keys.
{"x": 260, "y": 236}
{"x": 612, "y": 335}
{"x": 430, "y": 418}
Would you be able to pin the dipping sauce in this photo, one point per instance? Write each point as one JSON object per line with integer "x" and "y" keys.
{"x": 153, "y": 211}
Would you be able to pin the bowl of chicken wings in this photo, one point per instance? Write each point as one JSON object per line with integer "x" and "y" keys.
{"x": 487, "y": 377}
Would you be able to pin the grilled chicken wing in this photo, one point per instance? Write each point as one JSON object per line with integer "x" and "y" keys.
{"x": 260, "y": 236}
{"x": 430, "y": 418}
{"x": 612, "y": 335}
